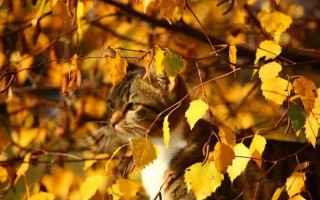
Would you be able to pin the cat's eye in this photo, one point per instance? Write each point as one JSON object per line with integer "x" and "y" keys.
{"x": 111, "y": 104}
{"x": 133, "y": 106}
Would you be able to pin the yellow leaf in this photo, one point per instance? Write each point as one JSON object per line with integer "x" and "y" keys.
{"x": 257, "y": 147}
{"x": 90, "y": 186}
{"x": 277, "y": 2}
{"x": 203, "y": 180}
{"x": 80, "y": 13}
{"x": 312, "y": 128}
{"x": 297, "y": 197}
{"x": 276, "y": 90}
{"x": 195, "y": 112}
{"x": 3, "y": 174}
{"x": 295, "y": 183}
{"x": 124, "y": 189}
{"x": 268, "y": 49}
{"x": 42, "y": 196}
{"x": 117, "y": 66}
{"x": 277, "y": 193}
{"x": 223, "y": 156}
{"x": 233, "y": 56}
{"x": 307, "y": 91}
{"x": 239, "y": 164}
{"x": 34, "y": 21}
{"x": 274, "y": 23}
{"x": 269, "y": 71}
{"x": 227, "y": 136}
{"x": 143, "y": 151}
{"x": 166, "y": 131}
{"x": 59, "y": 182}
{"x": 4, "y": 141}
{"x": 159, "y": 57}
{"x": 23, "y": 167}
{"x": 172, "y": 10}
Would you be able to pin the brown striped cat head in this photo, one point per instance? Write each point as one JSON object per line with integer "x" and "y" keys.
{"x": 135, "y": 102}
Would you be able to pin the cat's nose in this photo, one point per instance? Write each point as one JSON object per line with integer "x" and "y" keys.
{"x": 115, "y": 118}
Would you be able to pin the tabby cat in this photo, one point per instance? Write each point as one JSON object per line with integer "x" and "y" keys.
{"x": 133, "y": 106}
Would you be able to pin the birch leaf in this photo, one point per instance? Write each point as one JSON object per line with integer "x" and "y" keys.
{"x": 295, "y": 183}
{"x": 90, "y": 186}
{"x": 125, "y": 188}
{"x": 307, "y": 91}
{"x": 166, "y": 131}
{"x": 269, "y": 71}
{"x": 257, "y": 147}
{"x": 297, "y": 117}
{"x": 143, "y": 151}
{"x": 3, "y": 174}
{"x": 223, "y": 156}
{"x": 276, "y": 90}
{"x": 203, "y": 180}
{"x": 117, "y": 66}
{"x": 274, "y": 23}
{"x": 227, "y": 136}
{"x": 196, "y": 111}
{"x": 277, "y": 193}
{"x": 172, "y": 10}
{"x": 268, "y": 49}
{"x": 239, "y": 164}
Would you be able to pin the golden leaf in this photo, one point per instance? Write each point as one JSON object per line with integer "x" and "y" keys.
{"x": 277, "y": 193}
{"x": 307, "y": 91}
{"x": 257, "y": 147}
{"x": 276, "y": 90}
{"x": 269, "y": 71}
{"x": 80, "y": 14}
{"x": 233, "y": 56}
{"x": 203, "y": 180}
{"x": 159, "y": 57}
{"x": 301, "y": 166}
{"x": 239, "y": 164}
{"x": 42, "y": 196}
{"x": 124, "y": 189}
{"x": 268, "y": 49}
{"x": 117, "y": 66}
{"x": 3, "y": 174}
{"x": 4, "y": 141}
{"x": 227, "y": 136}
{"x": 143, "y": 151}
{"x": 295, "y": 183}
{"x": 113, "y": 154}
{"x": 223, "y": 156}
{"x": 274, "y": 23}
{"x": 59, "y": 182}
{"x": 312, "y": 127}
{"x": 90, "y": 186}
{"x": 29, "y": 135}
{"x": 172, "y": 10}
{"x": 23, "y": 167}
{"x": 195, "y": 112}
{"x": 166, "y": 131}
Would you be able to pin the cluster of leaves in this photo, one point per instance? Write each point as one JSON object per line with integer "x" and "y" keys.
{"x": 58, "y": 60}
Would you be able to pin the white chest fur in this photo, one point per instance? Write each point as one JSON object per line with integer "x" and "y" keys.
{"x": 152, "y": 175}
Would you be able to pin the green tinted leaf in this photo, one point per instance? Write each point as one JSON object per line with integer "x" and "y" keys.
{"x": 172, "y": 63}
{"x": 297, "y": 116}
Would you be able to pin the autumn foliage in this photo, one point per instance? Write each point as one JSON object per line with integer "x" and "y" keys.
{"x": 252, "y": 66}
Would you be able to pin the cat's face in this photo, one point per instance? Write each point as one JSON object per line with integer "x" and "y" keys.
{"x": 134, "y": 104}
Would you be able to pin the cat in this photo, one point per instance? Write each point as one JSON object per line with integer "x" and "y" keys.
{"x": 134, "y": 104}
